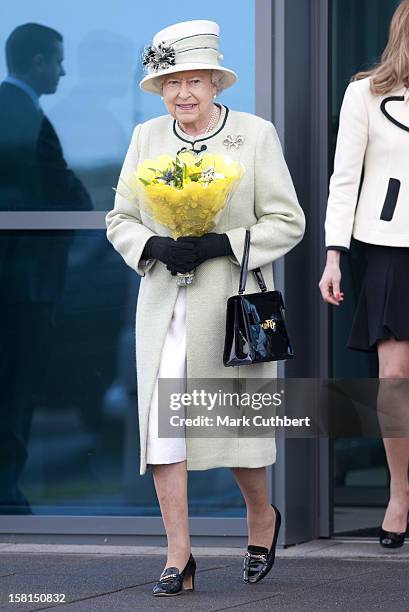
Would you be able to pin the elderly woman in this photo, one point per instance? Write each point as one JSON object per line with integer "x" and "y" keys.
{"x": 180, "y": 329}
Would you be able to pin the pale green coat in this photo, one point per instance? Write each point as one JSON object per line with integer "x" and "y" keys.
{"x": 266, "y": 203}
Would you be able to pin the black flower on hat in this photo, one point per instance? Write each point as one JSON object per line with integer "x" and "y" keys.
{"x": 159, "y": 58}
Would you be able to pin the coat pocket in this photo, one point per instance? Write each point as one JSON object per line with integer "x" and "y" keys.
{"x": 390, "y": 201}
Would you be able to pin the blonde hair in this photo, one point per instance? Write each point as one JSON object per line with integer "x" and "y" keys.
{"x": 392, "y": 72}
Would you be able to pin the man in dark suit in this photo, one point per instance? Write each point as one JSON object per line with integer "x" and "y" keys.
{"x": 33, "y": 172}
{"x": 34, "y": 176}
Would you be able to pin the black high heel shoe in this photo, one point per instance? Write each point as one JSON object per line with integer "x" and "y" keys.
{"x": 173, "y": 582}
{"x": 392, "y": 539}
{"x": 258, "y": 561}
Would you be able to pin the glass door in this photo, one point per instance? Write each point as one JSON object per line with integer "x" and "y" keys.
{"x": 68, "y": 418}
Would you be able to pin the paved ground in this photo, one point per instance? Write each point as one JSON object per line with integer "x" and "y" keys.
{"x": 321, "y": 575}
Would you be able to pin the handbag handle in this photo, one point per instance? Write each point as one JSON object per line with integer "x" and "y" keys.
{"x": 244, "y": 268}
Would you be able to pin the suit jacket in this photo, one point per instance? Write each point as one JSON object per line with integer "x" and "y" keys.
{"x": 33, "y": 172}
{"x": 373, "y": 137}
{"x": 33, "y": 176}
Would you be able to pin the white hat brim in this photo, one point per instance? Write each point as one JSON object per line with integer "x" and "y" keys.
{"x": 151, "y": 82}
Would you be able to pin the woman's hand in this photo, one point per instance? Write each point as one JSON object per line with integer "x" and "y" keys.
{"x": 207, "y": 246}
{"x": 330, "y": 283}
{"x": 177, "y": 257}
{"x": 181, "y": 258}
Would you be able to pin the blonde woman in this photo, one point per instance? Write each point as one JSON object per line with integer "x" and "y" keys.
{"x": 374, "y": 137}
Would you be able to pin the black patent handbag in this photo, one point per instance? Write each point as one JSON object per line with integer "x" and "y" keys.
{"x": 255, "y": 326}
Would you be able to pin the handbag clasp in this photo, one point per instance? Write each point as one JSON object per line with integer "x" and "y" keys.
{"x": 269, "y": 324}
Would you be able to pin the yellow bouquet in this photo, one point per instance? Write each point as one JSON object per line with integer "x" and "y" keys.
{"x": 187, "y": 193}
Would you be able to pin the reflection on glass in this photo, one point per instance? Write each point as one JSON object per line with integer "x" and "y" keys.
{"x": 98, "y": 103}
{"x": 69, "y": 439}
{"x": 33, "y": 172}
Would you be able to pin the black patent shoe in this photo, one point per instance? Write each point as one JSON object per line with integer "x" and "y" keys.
{"x": 257, "y": 564}
{"x": 391, "y": 539}
{"x": 173, "y": 582}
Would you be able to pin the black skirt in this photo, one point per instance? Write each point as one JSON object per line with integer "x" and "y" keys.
{"x": 382, "y": 311}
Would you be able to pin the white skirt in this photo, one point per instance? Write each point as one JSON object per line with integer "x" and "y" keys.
{"x": 172, "y": 365}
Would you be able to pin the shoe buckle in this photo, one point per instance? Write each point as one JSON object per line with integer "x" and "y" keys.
{"x": 255, "y": 555}
{"x": 168, "y": 577}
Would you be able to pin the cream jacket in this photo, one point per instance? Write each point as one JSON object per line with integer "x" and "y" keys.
{"x": 266, "y": 203}
{"x": 373, "y": 140}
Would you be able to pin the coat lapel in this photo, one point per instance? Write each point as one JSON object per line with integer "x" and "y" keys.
{"x": 392, "y": 112}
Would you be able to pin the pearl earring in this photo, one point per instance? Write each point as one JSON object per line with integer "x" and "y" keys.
{"x": 214, "y": 96}
{"x": 161, "y": 97}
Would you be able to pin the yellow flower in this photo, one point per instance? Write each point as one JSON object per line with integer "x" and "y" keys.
{"x": 186, "y": 194}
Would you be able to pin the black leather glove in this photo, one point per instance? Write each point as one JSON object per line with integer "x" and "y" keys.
{"x": 208, "y": 246}
{"x": 156, "y": 247}
{"x": 177, "y": 257}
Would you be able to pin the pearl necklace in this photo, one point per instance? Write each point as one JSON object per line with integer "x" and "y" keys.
{"x": 212, "y": 121}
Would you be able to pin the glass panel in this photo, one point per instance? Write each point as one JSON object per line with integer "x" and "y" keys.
{"x": 68, "y": 418}
{"x": 360, "y": 471}
{"x": 69, "y": 441}
{"x": 96, "y": 105}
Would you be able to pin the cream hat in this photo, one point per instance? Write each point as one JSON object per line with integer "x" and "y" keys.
{"x": 189, "y": 45}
